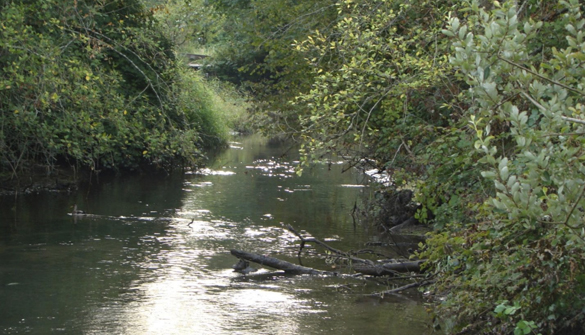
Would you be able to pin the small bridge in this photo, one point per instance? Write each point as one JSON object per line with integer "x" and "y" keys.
{"x": 192, "y": 60}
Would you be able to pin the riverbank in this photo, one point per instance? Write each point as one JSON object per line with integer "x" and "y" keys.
{"x": 60, "y": 180}
{"x": 68, "y": 180}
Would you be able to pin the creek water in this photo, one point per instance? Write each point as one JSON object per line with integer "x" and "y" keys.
{"x": 136, "y": 265}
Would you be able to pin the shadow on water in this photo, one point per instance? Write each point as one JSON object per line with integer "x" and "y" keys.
{"x": 152, "y": 256}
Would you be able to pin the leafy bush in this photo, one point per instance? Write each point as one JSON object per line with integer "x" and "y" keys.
{"x": 95, "y": 84}
{"x": 519, "y": 268}
{"x": 484, "y": 120}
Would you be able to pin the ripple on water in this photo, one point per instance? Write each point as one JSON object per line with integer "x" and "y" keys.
{"x": 210, "y": 172}
{"x": 273, "y": 168}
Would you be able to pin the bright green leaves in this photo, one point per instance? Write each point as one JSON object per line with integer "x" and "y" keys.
{"x": 523, "y": 95}
{"x": 93, "y": 84}
{"x": 372, "y": 70}
{"x": 505, "y": 311}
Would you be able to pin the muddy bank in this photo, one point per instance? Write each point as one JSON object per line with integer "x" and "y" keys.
{"x": 38, "y": 181}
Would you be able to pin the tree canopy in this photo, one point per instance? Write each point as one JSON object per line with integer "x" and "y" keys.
{"x": 95, "y": 84}
{"x": 253, "y": 49}
{"x": 475, "y": 105}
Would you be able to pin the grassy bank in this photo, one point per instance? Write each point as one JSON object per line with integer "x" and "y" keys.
{"x": 103, "y": 87}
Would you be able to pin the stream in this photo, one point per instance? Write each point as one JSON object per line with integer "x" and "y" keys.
{"x": 152, "y": 255}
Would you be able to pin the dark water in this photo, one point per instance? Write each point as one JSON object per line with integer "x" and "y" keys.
{"x": 135, "y": 266}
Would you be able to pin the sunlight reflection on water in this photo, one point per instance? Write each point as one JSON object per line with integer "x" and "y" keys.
{"x": 183, "y": 296}
{"x": 153, "y": 266}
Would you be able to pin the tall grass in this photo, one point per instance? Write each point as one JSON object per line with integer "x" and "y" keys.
{"x": 232, "y": 105}
{"x": 213, "y": 108}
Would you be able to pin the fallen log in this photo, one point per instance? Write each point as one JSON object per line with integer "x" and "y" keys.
{"x": 272, "y": 262}
{"x": 388, "y": 269}
{"x": 407, "y": 223}
{"x": 402, "y": 288}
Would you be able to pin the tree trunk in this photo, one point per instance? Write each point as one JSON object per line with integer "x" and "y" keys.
{"x": 278, "y": 264}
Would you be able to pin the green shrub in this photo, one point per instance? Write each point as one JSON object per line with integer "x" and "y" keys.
{"x": 519, "y": 267}
{"x": 96, "y": 84}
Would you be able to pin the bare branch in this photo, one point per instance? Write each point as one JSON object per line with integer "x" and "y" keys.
{"x": 326, "y": 246}
{"x": 541, "y": 76}
{"x": 405, "y": 287}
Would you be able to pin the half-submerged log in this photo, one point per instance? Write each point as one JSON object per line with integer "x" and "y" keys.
{"x": 388, "y": 269}
{"x": 287, "y": 267}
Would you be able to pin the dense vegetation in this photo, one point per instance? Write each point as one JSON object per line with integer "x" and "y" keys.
{"x": 475, "y": 105}
{"x": 252, "y": 48}
{"x": 96, "y": 85}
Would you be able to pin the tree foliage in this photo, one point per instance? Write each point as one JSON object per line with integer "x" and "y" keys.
{"x": 385, "y": 91}
{"x": 92, "y": 83}
{"x": 520, "y": 265}
{"x": 187, "y": 23}
{"x": 483, "y": 117}
{"x": 253, "y": 49}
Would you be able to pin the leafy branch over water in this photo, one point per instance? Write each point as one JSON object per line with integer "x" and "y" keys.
{"x": 477, "y": 106}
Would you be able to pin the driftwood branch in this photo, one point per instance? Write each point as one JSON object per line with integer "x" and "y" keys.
{"x": 305, "y": 240}
{"x": 388, "y": 269}
{"x": 406, "y": 224}
{"x": 405, "y": 287}
{"x": 360, "y": 265}
{"x": 278, "y": 264}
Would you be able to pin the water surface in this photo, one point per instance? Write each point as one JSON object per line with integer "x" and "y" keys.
{"x": 153, "y": 256}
